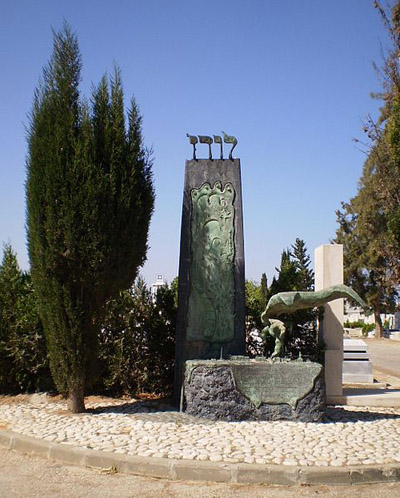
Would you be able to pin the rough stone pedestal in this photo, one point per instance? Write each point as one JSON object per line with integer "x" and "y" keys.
{"x": 244, "y": 389}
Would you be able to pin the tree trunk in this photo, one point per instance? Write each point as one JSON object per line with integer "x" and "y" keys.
{"x": 378, "y": 322}
{"x": 76, "y": 400}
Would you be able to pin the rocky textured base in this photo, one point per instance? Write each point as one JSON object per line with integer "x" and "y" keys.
{"x": 247, "y": 390}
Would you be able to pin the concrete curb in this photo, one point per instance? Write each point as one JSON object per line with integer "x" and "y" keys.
{"x": 190, "y": 470}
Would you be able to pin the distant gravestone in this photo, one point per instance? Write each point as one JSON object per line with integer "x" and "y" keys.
{"x": 211, "y": 307}
{"x": 356, "y": 364}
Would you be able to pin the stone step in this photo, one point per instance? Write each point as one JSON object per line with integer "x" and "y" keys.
{"x": 367, "y": 397}
{"x": 352, "y": 355}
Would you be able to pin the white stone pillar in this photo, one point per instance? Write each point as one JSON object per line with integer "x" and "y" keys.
{"x": 329, "y": 271}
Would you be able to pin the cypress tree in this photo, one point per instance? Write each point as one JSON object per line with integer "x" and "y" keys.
{"x": 303, "y": 263}
{"x": 90, "y": 198}
{"x": 264, "y": 289}
{"x": 287, "y": 275}
{"x": 295, "y": 274}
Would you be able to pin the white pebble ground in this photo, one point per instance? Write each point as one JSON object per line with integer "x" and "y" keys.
{"x": 348, "y": 436}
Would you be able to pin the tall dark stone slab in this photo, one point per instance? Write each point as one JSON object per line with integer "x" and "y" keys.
{"x": 211, "y": 310}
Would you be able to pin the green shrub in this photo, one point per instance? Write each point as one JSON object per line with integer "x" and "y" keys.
{"x": 360, "y": 324}
{"x": 367, "y": 327}
{"x": 137, "y": 342}
{"x": 354, "y": 325}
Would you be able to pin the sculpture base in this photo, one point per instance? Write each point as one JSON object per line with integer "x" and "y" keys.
{"x": 244, "y": 389}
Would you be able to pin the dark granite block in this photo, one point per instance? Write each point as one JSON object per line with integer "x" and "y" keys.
{"x": 211, "y": 390}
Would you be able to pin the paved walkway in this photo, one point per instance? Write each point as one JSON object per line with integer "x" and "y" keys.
{"x": 385, "y": 357}
{"x": 349, "y": 436}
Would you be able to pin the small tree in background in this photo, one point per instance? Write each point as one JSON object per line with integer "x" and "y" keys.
{"x": 23, "y": 357}
{"x": 89, "y": 202}
{"x": 287, "y": 278}
{"x": 295, "y": 273}
{"x": 264, "y": 289}
{"x": 305, "y": 275}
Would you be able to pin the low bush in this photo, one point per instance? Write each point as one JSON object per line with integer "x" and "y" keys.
{"x": 137, "y": 342}
{"x": 354, "y": 325}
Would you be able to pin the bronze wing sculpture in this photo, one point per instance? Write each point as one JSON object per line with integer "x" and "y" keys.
{"x": 289, "y": 302}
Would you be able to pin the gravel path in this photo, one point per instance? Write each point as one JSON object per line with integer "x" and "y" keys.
{"x": 348, "y": 436}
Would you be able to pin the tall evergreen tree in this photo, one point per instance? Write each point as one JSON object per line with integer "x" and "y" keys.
{"x": 302, "y": 261}
{"x": 89, "y": 202}
{"x": 264, "y": 289}
{"x": 369, "y": 224}
{"x": 287, "y": 278}
{"x": 384, "y": 134}
{"x": 363, "y": 231}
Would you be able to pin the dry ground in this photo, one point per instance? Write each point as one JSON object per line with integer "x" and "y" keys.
{"x": 30, "y": 476}
{"x": 26, "y": 476}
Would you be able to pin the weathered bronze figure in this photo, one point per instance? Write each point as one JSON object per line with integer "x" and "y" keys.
{"x": 289, "y": 302}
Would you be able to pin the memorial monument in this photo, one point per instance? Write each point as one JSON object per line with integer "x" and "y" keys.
{"x": 213, "y": 377}
{"x": 211, "y": 308}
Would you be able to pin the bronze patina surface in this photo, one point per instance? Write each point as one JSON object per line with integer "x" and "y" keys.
{"x": 205, "y": 139}
{"x": 266, "y": 381}
{"x": 211, "y": 264}
{"x": 275, "y": 383}
{"x": 211, "y": 299}
{"x": 289, "y": 302}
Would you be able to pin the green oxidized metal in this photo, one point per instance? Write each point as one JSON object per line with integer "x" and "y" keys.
{"x": 211, "y": 298}
{"x": 264, "y": 381}
{"x": 275, "y": 383}
{"x": 289, "y": 302}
